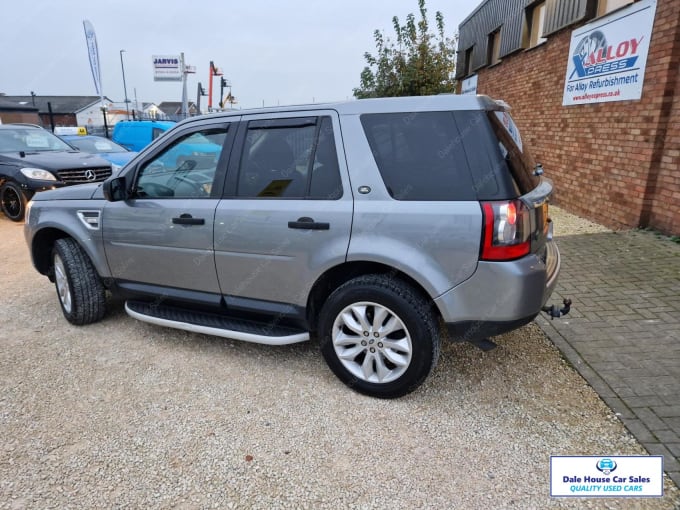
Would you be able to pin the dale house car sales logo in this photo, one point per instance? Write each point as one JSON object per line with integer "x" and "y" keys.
{"x": 606, "y": 477}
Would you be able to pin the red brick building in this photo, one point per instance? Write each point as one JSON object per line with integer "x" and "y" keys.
{"x": 616, "y": 162}
{"x": 55, "y": 110}
{"x": 11, "y": 112}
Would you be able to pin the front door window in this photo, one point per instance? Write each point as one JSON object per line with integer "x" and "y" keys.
{"x": 185, "y": 169}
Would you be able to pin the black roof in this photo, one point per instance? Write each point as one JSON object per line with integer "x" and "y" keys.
{"x": 10, "y": 106}
{"x": 60, "y": 104}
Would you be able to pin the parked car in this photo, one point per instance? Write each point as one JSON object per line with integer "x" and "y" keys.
{"x": 369, "y": 225}
{"x": 33, "y": 159}
{"x": 106, "y": 149}
{"x": 134, "y": 135}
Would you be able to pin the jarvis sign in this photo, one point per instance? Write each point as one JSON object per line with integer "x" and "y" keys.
{"x": 607, "y": 58}
{"x": 167, "y": 67}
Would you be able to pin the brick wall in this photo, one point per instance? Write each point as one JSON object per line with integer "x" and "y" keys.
{"x": 616, "y": 162}
{"x": 664, "y": 212}
{"x": 27, "y": 117}
{"x": 60, "y": 119}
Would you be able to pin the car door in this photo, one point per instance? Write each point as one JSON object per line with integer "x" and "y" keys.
{"x": 287, "y": 212}
{"x": 161, "y": 239}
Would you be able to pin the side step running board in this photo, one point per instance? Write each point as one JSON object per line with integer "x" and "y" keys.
{"x": 213, "y": 324}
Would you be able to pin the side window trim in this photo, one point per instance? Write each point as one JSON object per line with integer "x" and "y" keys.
{"x": 231, "y": 181}
{"x": 312, "y": 158}
{"x": 223, "y": 161}
{"x": 292, "y": 122}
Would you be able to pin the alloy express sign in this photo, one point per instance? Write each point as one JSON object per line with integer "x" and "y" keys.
{"x": 594, "y": 56}
{"x": 607, "y": 58}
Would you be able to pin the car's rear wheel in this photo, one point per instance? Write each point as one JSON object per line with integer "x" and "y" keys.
{"x": 379, "y": 336}
{"x": 13, "y": 201}
{"x": 80, "y": 290}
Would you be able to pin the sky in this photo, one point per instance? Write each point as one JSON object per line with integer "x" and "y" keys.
{"x": 272, "y": 52}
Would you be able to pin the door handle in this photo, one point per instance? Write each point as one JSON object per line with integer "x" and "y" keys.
{"x": 306, "y": 223}
{"x": 188, "y": 219}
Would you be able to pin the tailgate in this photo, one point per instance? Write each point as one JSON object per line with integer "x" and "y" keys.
{"x": 541, "y": 226}
{"x": 527, "y": 175}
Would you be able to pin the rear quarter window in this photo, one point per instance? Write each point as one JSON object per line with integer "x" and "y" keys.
{"x": 488, "y": 169}
{"x": 419, "y": 155}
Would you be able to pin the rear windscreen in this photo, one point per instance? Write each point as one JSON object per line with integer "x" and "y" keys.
{"x": 514, "y": 151}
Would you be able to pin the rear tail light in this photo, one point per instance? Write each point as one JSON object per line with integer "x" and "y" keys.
{"x": 507, "y": 228}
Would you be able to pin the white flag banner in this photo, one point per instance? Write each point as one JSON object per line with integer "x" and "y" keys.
{"x": 93, "y": 53}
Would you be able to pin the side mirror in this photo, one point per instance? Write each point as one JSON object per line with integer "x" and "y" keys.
{"x": 115, "y": 190}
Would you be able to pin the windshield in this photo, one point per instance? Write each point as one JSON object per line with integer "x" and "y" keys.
{"x": 30, "y": 140}
{"x": 96, "y": 145}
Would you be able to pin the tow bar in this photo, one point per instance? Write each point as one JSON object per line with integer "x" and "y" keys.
{"x": 486, "y": 344}
{"x": 555, "y": 312}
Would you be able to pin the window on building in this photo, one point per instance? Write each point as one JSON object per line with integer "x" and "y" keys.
{"x": 535, "y": 22}
{"x": 468, "y": 61}
{"x": 606, "y": 6}
{"x": 494, "y": 48}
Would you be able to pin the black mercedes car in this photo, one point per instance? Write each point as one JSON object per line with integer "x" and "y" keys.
{"x": 33, "y": 159}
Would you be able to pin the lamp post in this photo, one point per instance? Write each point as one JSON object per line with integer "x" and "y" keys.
{"x": 122, "y": 67}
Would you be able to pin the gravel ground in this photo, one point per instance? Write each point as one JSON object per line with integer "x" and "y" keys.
{"x": 126, "y": 414}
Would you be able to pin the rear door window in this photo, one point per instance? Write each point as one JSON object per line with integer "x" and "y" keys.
{"x": 419, "y": 155}
{"x": 290, "y": 158}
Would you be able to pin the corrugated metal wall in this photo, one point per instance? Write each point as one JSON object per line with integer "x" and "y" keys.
{"x": 562, "y": 13}
{"x": 509, "y": 16}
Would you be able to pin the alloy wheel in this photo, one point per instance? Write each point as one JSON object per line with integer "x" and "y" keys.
{"x": 372, "y": 342}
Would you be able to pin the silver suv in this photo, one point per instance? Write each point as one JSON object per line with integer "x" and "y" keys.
{"x": 369, "y": 225}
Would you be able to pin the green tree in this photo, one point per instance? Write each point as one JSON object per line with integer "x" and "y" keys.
{"x": 418, "y": 63}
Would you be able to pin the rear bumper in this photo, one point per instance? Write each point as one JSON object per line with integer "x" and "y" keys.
{"x": 476, "y": 330}
{"x": 503, "y": 292}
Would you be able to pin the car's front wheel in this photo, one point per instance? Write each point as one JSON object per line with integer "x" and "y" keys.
{"x": 379, "y": 336}
{"x": 80, "y": 290}
{"x": 13, "y": 201}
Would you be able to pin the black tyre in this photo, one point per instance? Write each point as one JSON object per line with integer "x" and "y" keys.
{"x": 13, "y": 201}
{"x": 379, "y": 336}
{"x": 80, "y": 290}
